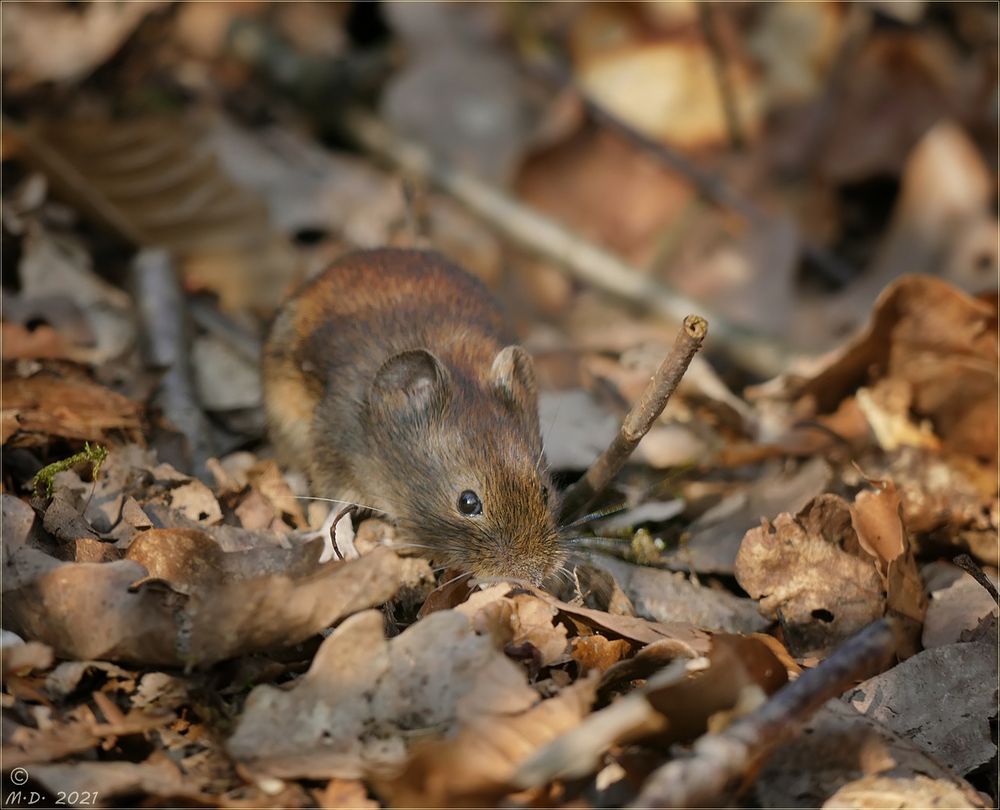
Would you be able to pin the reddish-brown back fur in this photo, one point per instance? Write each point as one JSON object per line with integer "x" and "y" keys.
{"x": 325, "y": 349}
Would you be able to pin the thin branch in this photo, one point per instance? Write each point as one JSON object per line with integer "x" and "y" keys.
{"x": 639, "y": 419}
{"x": 969, "y": 565}
{"x": 584, "y": 260}
{"x": 724, "y": 761}
{"x": 727, "y": 93}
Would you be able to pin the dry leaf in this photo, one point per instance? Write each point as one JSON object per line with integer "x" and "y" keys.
{"x": 910, "y": 792}
{"x": 811, "y": 574}
{"x": 946, "y": 188}
{"x": 516, "y": 620}
{"x": 942, "y": 699}
{"x": 877, "y": 519}
{"x": 60, "y": 287}
{"x": 115, "y": 611}
{"x": 840, "y": 746}
{"x": 158, "y": 777}
{"x": 475, "y": 767}
{"x": 668, "y": 596}
{"x": 715, "y": 535}
{"x": 45, "y": 406}
{"x": 939, "y": 340}
{"x": 365, "y": 698}
{"x": 957, "y": 605}
{"x": 675, "y": 704}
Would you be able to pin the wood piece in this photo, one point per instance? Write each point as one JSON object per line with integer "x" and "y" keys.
{"x": 638, "y": 420}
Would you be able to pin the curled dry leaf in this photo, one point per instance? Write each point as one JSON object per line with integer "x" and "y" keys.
{"x": 942, "y": 699}
{"x": 683, "y": 639}
{"x": 475, "y": 767}
{"x": 811, "y": 573}
{"x": 516, "y": 620}
{"x": 929, "y": 334}
{"x": 876, "y": 515}
{"x": 365, "y": 698}
{"x": 833, "y": 568}
{"x": 189, "y": 617}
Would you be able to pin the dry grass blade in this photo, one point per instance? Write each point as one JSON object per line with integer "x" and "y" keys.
{"x": 155, "y": 183}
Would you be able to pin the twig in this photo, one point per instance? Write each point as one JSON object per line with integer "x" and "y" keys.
{"x": 583, "y": 259}
{"x": 707, "y": 19}
{"x": 639, "y": 419}
{"x": 725, "y": 761}
{"x": 969, "y": 565}
{"x": 160, "y": 302}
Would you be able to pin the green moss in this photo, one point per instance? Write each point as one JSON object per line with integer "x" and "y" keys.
{"x": 42, "y": 482}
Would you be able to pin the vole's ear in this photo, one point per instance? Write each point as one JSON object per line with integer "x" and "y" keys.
{"x": 409, "y": 382}
{"x": 513, "y": 375}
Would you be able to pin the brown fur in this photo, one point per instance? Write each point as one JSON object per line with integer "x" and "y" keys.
{"x": 387, "y": 379}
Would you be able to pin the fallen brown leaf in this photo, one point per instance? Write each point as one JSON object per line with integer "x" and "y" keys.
{"x": 45, "y": 406}
{"x": 941, "y": 699}
{"x": 365, "y": 699}
{"x": 811, "y": 574}
{"x": 876, "y": 515}
{"x": 116, "y": 611}
{"x": 841, "y": 746}
{"x": 474, "y": 768}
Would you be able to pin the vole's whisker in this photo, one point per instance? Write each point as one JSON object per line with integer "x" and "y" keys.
{"x": 337, "y": 500}
{"x": 608, "y": 510}
{"x": 455, "y": 578}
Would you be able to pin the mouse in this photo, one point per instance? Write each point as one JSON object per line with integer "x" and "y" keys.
{"x": 391, "y": 380}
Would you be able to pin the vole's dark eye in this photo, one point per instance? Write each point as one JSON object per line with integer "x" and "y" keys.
{"x": 469, "y": 503}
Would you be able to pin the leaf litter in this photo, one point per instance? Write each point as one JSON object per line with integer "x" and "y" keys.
{"x": 170, "y": 639}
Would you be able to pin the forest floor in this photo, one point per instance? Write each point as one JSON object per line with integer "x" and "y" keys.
{"x": 788, "y": 596}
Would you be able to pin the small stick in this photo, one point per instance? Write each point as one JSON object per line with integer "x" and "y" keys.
{"x": 969, "y": 565}
{"x": 725, "y": 761}
{"x": 639, "y": 419}
{"x": 709, "y": 27}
